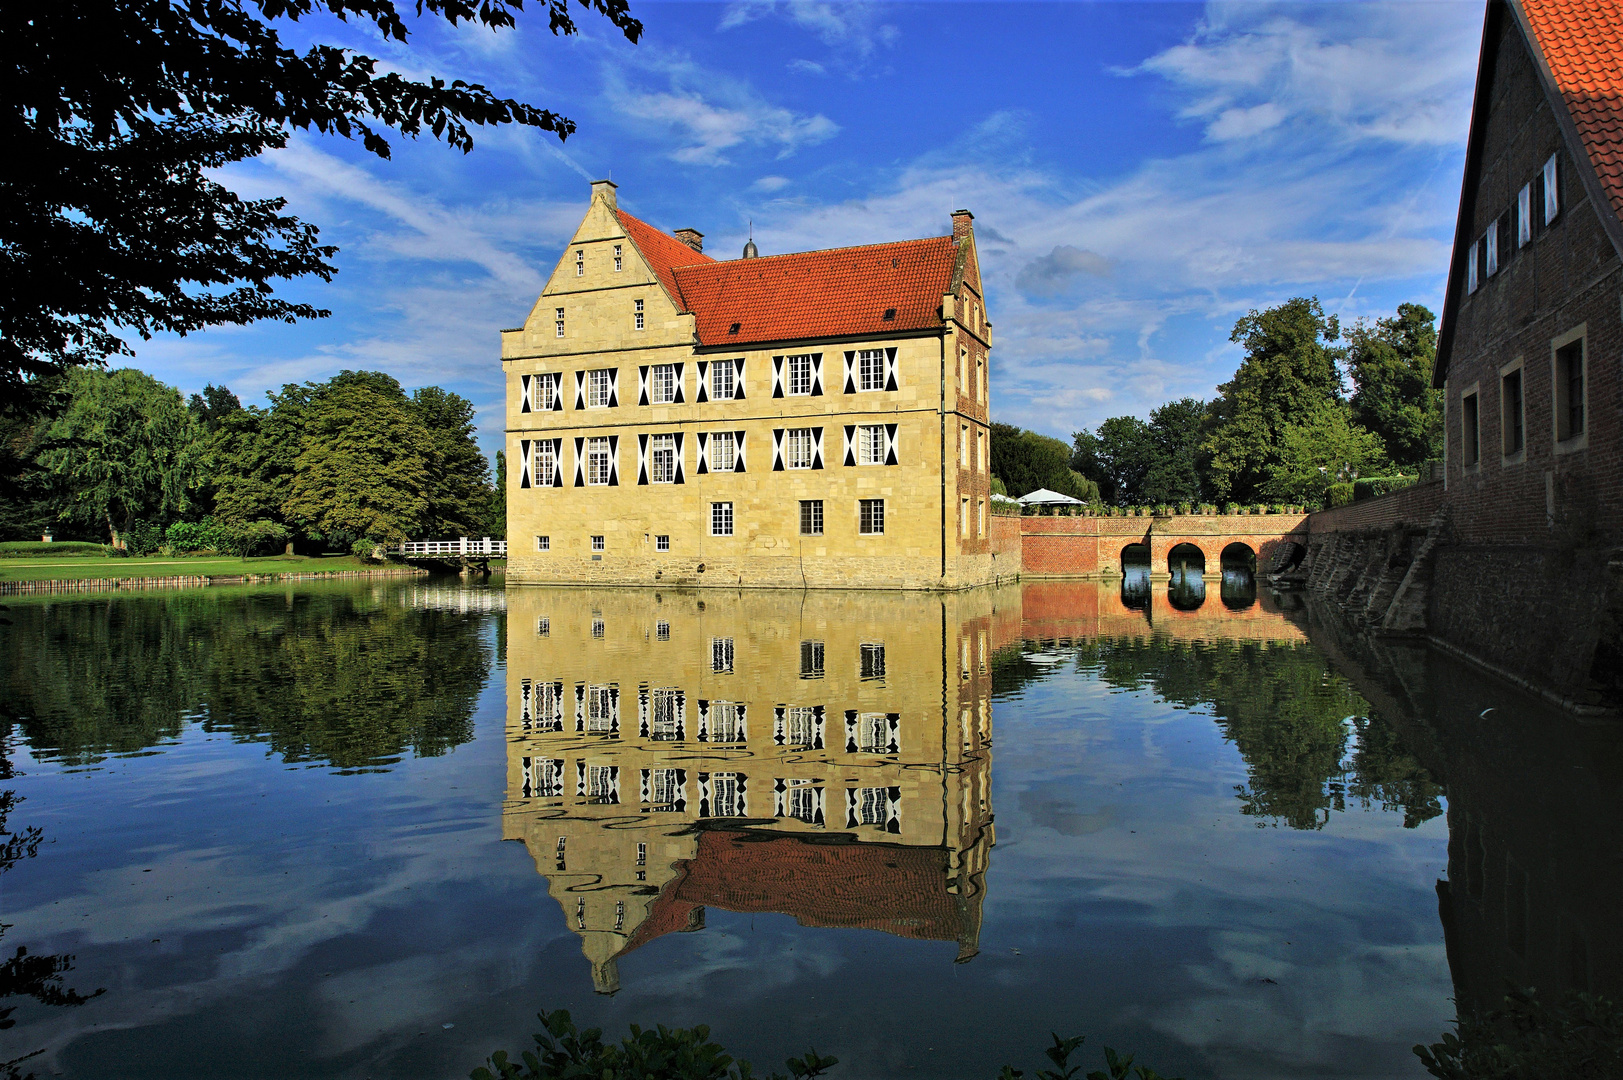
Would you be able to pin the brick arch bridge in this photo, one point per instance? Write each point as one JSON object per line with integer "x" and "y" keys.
{"x": 1093, "y": 546}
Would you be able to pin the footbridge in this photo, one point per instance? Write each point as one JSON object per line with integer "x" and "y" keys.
{"x": 467, "y": 556}
{"x": 1099, "y": 547}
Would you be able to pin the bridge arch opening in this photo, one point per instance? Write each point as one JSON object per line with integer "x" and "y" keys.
{"x": 1239, "y": 566}
{"x": 1135, "y": 576}
{"x": 1186, "y": 564}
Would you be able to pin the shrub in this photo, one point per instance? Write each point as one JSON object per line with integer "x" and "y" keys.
{"x": 142, "y": 538}
{"x": 29, "y": 549}
{"x": 1579, "y": 1039}
{"x": 256, "y": 538}
{"x": 1231, "y": 508}
{"x": 1374, "y": 486}
{"x": 367, "y": 550}
{"x": 1339, "y": 494}
{"x": 205, "y": 535}
{"x": 564, "y": 1052}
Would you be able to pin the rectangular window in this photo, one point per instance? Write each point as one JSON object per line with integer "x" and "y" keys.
{"x": 721, "y": 519}
{"x": 963, "y": 516}
{"x": 980, "y": 376}
{"x": 963, "y": 369}
{"x": 619, "y": 263}
{"x": 580, "y": 263}
{"x": 871, "y": 517}
{"x": 799, "y": 726}
{"x": 543, "y": 627}
{"x": 1524, "y": 216}
{"x": 662, "y": 791}
{"x": 544, "y": 389}
{"x": 662, "y": 714}
{"x": 873, "y": 806}
{"x": 597, "y": 624}
{"x": 873, "y": 661}
{"x": 1470, "y": 433}
{"x": 799, "y": 448}
{"x": 871, "y": 444}
{"x": 1511, "y": 420}
{"x": 599, "y": 709}
{"x": 726, "y": 795}
{"x": 800, "y": 375}
{"x": 543, "y": 461}
{"x": 723, "y": 452}
{"x": 1552, "y": 190}
{"x": 963, "y": 446}
{"x": 721, "y": 656}
{"x": 811, "y": 659}
{"x": 811, "y": 517}
{"x": 600, "y": 785}
{"x": 1569, "y": 391}
{"x": 559, "y": 317}
{"x": 599, "y": 386}
{"x": 725, "y": 724}
{"x": 871, "y": 369}
{"x": 721, "y": 380}
{"x": 636, "y": 314}
{"x": 662, "y": 459}
{"x": 1471, "y": 282}
{"x": 980, "y": 520}
{"x": 662, "y": 384}
{"x": 873, "y": 733}
{"x": 802, "y": 800}
{"x": 662, "y": 542}
{"x": 543, "y": 543}
{"x": 597, "y": 462}
{"x": 980, "y": 450}
{"x": 597, "y": 542}
{"x": 1491, "y": 241}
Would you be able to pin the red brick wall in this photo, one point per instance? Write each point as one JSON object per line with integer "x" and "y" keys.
{"x": 1412, "y": 505}
{"x": 1060, "y": 546}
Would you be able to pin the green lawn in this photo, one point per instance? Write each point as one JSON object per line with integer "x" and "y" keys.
{"x": 93, "y": 566}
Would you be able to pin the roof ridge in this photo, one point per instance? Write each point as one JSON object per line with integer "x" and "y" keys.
{"x": 817, "y": 251}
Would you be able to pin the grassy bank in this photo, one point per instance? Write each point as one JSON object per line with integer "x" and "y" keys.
{"x": 74, "y": 567}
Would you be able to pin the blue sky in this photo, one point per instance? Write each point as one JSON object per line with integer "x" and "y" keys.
{"x": 1141, "y": 175}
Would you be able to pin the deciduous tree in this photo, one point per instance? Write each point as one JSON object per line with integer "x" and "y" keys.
{"x": 362, "y": 467}
{"x": 1390, "y": 364}
{"x": 116, "y": 116}
{"x": 1320, "y": 449}
{"x": 125, "y": 447}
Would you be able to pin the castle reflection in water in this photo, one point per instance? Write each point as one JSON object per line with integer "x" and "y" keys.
{"x": 823, "y": 755}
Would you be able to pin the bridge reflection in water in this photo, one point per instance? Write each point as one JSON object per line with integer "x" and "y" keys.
{"x": 822, "y": 755}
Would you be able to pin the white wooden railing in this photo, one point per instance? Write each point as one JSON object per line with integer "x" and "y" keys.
{"x": 484, "y": 546}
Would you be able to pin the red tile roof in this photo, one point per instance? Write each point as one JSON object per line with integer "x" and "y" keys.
{"x": 840, "y": 292}
{"x": 898, "y": 889}
{"x": 1582, "y": 41}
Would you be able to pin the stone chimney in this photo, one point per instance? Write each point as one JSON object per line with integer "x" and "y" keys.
{"x": 693, "y": 238}
{"x": 963, "y": 224}
{"x": 604, "y": 189}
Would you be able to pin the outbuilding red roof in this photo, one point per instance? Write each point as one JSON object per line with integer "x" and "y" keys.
{"x": 839, "y": 292}
{"x": 1582, "y": 41}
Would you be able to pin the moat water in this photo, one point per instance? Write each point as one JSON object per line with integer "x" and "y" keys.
{"x": 370, "y": 830}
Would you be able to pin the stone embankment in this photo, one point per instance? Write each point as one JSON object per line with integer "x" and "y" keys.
{"x": 1549, "y": 619}
{"x": 193, "y": 581}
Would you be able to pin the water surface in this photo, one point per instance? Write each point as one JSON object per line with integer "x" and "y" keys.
{"x": 369, "y": 830}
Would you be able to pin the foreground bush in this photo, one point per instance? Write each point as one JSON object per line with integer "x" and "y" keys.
{"x": 1579, "y": 1039}
{"x": 25, "y": 549}
{"x": 564, "y": 1052}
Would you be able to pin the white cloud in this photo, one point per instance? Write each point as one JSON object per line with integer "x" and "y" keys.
{"x": 707, "y": 113}
{"x": 1380, "y": 71}
{"x": 852, "y": 26}
{"x": 771, "y": 183}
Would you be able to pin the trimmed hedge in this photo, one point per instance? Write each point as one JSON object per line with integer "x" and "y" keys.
{"x": 1339, "y": 494}
{"x": 29, "y": 549}
{"x": 1374, "y": 486}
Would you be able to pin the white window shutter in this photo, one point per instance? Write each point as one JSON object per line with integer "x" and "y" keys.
{"x": 850, "y": 454}
{"x": 642, "y": 460}
{"x": 817, "y": 448}
{"x": 777, "y": 376}
{"x": 890, "y": 444}
{"x": 777, "y": 449}
{"x": 778, "y": 736}
{"x": 580, "y": 461}
{"x": 850, "y": 364}
{"x": 614, "y": 388}
{"x": 580, "y": 389}
{"x": 818, "y": 715}
{"x": 701, "y": 391}
{"x": 524, "y": 463}
{"x": 817, "y": 374}
{"x": 642, "y": 384}
{"x": 580, "y": 707}
{"x": 738, "y": 380}
{"x": 1492, "y": 242}
{"x": 738, "y": 445}
{"x": 1470, "y": 267}
{"x": 679, "y": 398}
{"x": 557, "y": 391}
{"x": 680, "y": 438}
{"x": 614, "y": 460}
{"x": 642, "y": 710}
{"x": 891, "y": 382}
{"x": 524, "y": 393}
{"x": 1524, "y": 215}
{"x": 893, "y": 721}
{"x": 850, "y": 731}
{"x": 701, "y": 447}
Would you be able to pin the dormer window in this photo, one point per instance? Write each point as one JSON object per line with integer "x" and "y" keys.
{"x": 580, "y": 263}
{"x": 619, "y": 263}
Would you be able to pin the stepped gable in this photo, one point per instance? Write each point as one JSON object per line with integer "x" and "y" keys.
{"x": 1582, "y": 43}
{"x": 900, "y": 890}
{"x": 838, "y": 292}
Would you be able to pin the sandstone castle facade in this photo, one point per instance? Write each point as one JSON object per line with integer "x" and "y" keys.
{"x": 808, "y": 420}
